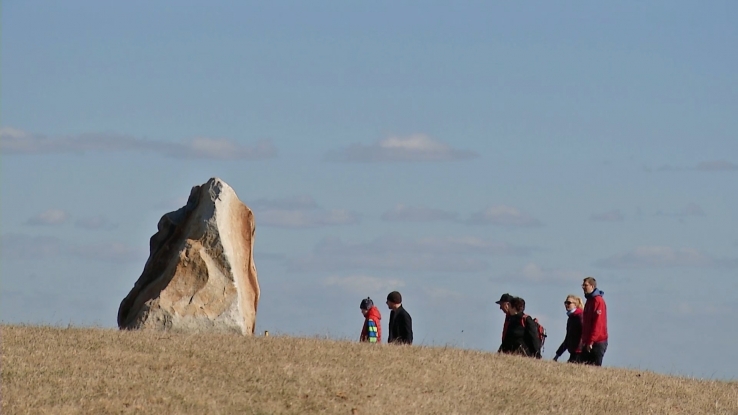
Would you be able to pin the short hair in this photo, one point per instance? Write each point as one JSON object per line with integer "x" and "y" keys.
{"x": 395, "y": 297}
{"x": 518, "y": 304}
{"x": 591, "y": 281}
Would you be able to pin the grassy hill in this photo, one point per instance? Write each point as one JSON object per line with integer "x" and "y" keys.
{"x": 75, "y": 370}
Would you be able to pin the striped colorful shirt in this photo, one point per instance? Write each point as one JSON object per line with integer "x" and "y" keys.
{"x": 371, "y": 327}
{"x": 371, "y": 332}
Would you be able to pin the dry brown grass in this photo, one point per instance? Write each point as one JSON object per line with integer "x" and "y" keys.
{"x": 96, "y": 371}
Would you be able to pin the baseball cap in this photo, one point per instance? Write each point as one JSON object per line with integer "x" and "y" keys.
{"x": 505, "y": 298}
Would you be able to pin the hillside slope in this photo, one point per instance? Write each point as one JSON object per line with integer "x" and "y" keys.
{"x": 57, "y": 370}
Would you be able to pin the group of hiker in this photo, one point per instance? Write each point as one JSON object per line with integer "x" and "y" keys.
{"x": 586, "y": 326}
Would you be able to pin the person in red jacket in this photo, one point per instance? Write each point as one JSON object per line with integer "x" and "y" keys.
{"x": 594, "y": 324}
{"x": 372, "y": 330}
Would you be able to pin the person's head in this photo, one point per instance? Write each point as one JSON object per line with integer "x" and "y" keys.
{"x": 504, "y": 302}
{"x": 517, "y": 305}
{"x": 588, "y": 285}
{"x": 573, "y": 302}
{"x": 365, "y": 305}
{"x": 394, "y": 300}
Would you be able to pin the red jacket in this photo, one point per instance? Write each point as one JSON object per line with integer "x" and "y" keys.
{"x": 372, "y": 330}
{"x": 594, "y": 324}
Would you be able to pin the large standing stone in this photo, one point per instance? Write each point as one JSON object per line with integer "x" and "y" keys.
{"x": 200, "y": 275}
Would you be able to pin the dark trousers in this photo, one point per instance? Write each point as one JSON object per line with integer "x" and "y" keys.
{"x": 594, "y": 356}
{"x": 575, "y": 358}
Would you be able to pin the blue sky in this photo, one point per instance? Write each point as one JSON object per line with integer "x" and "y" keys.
{"x": 453, "y": 152}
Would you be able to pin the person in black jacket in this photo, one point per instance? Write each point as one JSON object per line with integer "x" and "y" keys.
{"x": 572, "y": 342}
{"x": 504, "y": 304}
{"x": 400, "y": 322}
{"x": 521, "y": 332}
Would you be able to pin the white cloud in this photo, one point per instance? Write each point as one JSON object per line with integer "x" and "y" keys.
{"x": 416, "y": 147}
{"x": 292, "y": 202}
{"x": 716, "y": 165}
{"x": 363, "y": 284}
{"x": 299, "y": 212}
{"x": 27, "y": 247}
{"x": 668, "y": 167}
{"x": 611, "y": 216}
{"x": 703, "y": 309}
{"x": 14, "y": 141}
{"x": 503, "y": 215}
{"x": 440, "y": 293}
{"x": 114, "y": 252}
{"x": 460, "y": 245}
{"x": 659, "y": 257}
{"x": 51, "y": 217}
{"x": 223, "y": 149}
{"x": 94, "y": 223}
{"x": 534, "y": 273}
{"x": 18, "y": 246}
{"x": 692, "y": 209}
{"x": 284, "y": 218}
{"x": 449, "y": 254}
{"x": 704, "y": 166}
{"x": 404, "y": 213}
{"x": 387, "y": 261}
{"x": 463, "y": 245}
{"x": 172, "y": 203}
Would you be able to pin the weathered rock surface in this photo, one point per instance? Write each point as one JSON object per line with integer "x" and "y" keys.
{"x": 200, "y": 275}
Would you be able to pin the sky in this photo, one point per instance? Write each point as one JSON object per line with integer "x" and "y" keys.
{"x": 453, "y": 152}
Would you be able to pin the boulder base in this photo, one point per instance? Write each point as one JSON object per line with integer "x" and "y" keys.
{"x": 200, "y": 275}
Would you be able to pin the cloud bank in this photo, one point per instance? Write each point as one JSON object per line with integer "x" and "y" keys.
{"x": 14, "y": 141}
{"x": 306, "y": 219}
{"x": 611, "y": 216}
{"x": 51, "y": 217}
{"x": 95, "y": 223}
{"x": 663, "y": 257}
{"x": 503, "y": 215}
{"x": 299, "y": 212}
{"x": 285, "y": 203}
{"x": 691, "y": 209}
{"x": 362, "y": 284}
{"x": 447, "y": 254}
{"x": 27, "y": 247}
{"x": 704, "y": 166}
{"x": 403, "y": 213}
{"x": 532, "y": 272}
{"x": 416, "y": 147}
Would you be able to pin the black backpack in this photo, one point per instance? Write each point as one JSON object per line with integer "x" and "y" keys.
{"x": 541, "y": 333}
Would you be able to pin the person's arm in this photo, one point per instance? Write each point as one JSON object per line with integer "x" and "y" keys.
{"x": 504, "y": 335}
{"x": 560, "y": 351}
{"x": 407, "y": 328}
{"x": 599, "y": 323}
{"x": 595, "y": 321}
{"x": 390, "y": 329}
{"x": 576, "y": 333}
{"x": 362, "y": 336}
